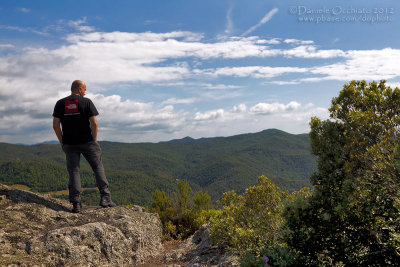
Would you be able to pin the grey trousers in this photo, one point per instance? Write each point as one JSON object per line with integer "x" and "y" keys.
{"x": 92, "y": 153}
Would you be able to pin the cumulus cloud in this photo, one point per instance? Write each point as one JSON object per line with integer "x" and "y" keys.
{"x": 354, "y": 65}
{"x": 209, "y": 115}
{"x": 142, "y": 57}
{"x": 361, "y": 65}
{"x": 268, "y": 108}
{"x": 240, "y": 119}
{"x": 39, "y": 76}
{"x": 240, "y": 108}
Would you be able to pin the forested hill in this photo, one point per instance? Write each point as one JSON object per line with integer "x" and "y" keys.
{"x": 215, "y": 165}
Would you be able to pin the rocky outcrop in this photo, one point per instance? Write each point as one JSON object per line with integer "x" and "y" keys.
{"x": 199, "y": 251}
{"x": 39, "y": 230}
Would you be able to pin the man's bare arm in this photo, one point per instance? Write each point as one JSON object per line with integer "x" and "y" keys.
{"x": 57, "y": 129}
{"x": 93, "y": 126}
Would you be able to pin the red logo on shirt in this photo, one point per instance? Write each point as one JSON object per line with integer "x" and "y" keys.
{"x": 71, "y": 106}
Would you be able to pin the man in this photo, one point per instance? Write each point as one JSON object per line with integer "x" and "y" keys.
{"x": 75, "y": 124}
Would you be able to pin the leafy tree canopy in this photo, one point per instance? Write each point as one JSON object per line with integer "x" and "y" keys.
{"x": 353, "y": 215}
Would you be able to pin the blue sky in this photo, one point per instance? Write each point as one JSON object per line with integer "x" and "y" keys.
{"x": 159, "y": 70}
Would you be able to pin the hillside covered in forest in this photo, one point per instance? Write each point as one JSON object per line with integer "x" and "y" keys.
{"x": 135, "y": 171}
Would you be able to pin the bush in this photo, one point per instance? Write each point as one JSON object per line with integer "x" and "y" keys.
{"x": 276, "y": 256}
{"x": 250, "y": 221}
{"x": 182, "y": 215}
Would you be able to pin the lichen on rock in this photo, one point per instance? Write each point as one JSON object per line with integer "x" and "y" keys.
{"x": 39, "y": 230}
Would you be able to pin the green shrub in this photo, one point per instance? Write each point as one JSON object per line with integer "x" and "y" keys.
{"x": 277, "y": 256}
{"x": 250, "y": 221}
{"x": 182, "y": 214}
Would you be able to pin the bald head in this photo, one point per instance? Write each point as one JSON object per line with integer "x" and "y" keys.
{"x": 78, "y": 87}
{"x": 76, "y": 84}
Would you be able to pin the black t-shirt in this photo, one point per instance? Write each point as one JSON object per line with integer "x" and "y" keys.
{"x": 74, "y": 112}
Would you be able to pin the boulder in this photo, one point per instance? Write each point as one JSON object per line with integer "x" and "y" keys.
{"x": 39, "y": 230}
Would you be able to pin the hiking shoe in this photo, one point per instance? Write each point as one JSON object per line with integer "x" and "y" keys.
{"x": 77, "y": 207}
{"x": 106, "y": 202}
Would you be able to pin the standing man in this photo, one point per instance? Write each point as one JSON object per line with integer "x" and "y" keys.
{"x": 75, "y": 124}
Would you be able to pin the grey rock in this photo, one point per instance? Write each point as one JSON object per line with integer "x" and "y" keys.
{"x": 199, "y": 251}
{"x": 175, "y": 255}
{"x": 17, "y": 195}
{"x": 37, "y": 230}
{"x": 93, "y": 243}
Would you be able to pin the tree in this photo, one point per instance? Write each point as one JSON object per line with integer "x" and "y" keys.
{"x": 201, "y": 201}
{"x": 353, "y": 214}
{"x": 183, "y": 196}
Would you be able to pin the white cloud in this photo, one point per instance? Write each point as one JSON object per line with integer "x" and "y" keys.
{"x": 240, "y": 120}
{"x": 126, "y": 57}
{"x": 209, "y": 115}
{"x": 104, "y": 60}
{"x": 393, "y": 84}
{"x": 310, "y": 51}
{"x": 264, "y": 20}
{"x": 173, "y": 101}
{"x": 298, "y": 42}
{"x": 229, "y": 21}
{"x": 251, "y": 71}
{"x": 361, "y": 65}
{"x": 6, "y": 46}
{"x": 141, "y": 57}
{"x": 218, "y": 86}
{"x": 284, "y": 82}
{"x": 26, "y": 117}
{"x": 22, "y": 29}
{"x": 123, "y": 37}
{"x": 23, "y": 10}
{"x": 268, "y": 108}
{"x": 240, "y": 108}
{"x": 78, "y": 25}
{"x": 273, "y": 41}
{"x": 126, "y": 120}
{"x": 199, "y": 85}
{"x": 305, "y": 115}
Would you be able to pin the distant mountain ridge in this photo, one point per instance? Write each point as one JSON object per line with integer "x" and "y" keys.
{"x": 215, "y": 165}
